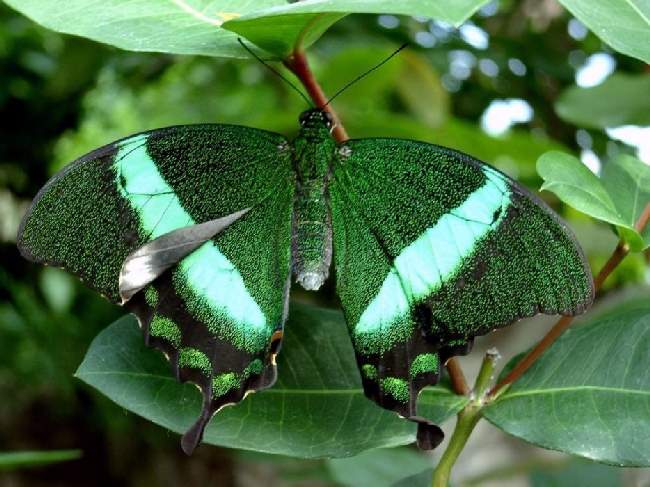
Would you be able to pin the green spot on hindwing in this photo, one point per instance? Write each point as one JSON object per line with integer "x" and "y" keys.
{"x": 194, "y": 359}
{"x": 424, "y": 363}
{"x": 224, "y": 383}
{"x": 369, "y": 371}
{"x": 151, "y": 296}
{"x": 254, "y": 368}
{"x": 163, "y": 327}
{"x": 398, "y": 388}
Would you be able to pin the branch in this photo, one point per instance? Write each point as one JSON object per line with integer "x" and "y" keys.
{"x": 298, "y": 65}
{"x": 620, "y": 252}
{"x": 468, "y": 417}
{"x": 458, "y": 381}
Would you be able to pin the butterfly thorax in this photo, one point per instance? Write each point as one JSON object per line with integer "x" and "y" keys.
{"x": 312, "y": 229}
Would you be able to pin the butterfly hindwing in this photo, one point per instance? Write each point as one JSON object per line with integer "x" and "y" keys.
{"x": 218, "y": 313}
{"x": 433, "y": 247}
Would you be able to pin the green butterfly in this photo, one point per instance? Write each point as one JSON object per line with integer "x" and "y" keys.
{"x": 198, "y": 229}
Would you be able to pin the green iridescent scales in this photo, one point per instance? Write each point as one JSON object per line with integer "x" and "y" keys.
{"x": 431, "y": 247}
{"x": 499, "y": 255}
{"x": 127, "y": 195}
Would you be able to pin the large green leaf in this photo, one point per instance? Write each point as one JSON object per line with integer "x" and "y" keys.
{"x": 623, "y": 24}
{"x": 621, "y": 100}
{"x": 589, "y": 394}
{"x": 14, "y": 460}
{"x": 174, "y": 26}
{"x": 210, "y": 27}
{"x": 316, "y": 409}
{"x": 279, "y": 29}
{"x": 619, "y": 197}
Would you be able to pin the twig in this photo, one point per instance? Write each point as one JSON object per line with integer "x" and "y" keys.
{"x": 298, "y": 65}
{"x": 458, "y": 381}
{"x": 563, "y": 323}
{"x": 468, "y": 417}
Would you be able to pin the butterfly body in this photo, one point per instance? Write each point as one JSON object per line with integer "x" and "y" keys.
{"x": 198, "y": 230}
{"x": 312, "y": 223}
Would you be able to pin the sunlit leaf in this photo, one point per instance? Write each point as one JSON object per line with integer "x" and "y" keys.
{"x": 623, "y": 24}
{"x": 211, "y": 27}
{"x": 618, "y": 198}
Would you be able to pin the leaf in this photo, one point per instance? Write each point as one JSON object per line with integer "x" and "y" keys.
{"x": 618, "y": 198}
{"x": 577, "y": 186}
{"x": 577, "y": 472}
{"x": 25, "y": 459}
{"x": 623, "y": 24}
{"x": 279, "y": 29}
{"x": 421, "y": 90}
{"x": 316, "y": 409}
{"x": 622, "y": 99}
{"x": 627, "y": 180}
{"x": 173, "y": 26}
{"x": 211, "y": 27}
{"x": 422, "y": 479}
{"x": 589, "y": 394}
{"x": 378, "y": 468}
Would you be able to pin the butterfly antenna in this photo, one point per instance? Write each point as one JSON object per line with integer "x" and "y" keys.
{"x": 361, "y": 76}
{"x": 276, "y": 72}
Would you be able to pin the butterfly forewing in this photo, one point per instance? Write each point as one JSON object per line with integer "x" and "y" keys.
{"x": 216, "y": 312}
{"x": 433, "y": 247}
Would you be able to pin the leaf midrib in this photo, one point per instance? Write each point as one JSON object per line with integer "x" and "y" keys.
{"x": 560, "y": 390}
{"x": 274, "y": 390}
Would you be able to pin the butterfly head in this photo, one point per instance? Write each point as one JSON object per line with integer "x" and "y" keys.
{"x": 316, "y": 121}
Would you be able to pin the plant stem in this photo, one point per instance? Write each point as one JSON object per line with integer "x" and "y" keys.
{"x": 468, "y": 417}
{"x": 458, "y": 381}
{"x": 620, "y": 252}
{"x": 298, "y": 65}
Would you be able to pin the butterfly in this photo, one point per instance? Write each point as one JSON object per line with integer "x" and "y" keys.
{"x": 198, "y": 230}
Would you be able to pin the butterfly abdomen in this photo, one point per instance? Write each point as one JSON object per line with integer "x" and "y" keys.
{"x": 312, "y": 230}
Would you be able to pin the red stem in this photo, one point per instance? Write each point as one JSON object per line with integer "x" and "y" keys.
{"x": 299, "y": 66}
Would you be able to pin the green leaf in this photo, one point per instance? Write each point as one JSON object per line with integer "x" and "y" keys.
{"x": 618, "y": 198}
{"x": 25, "y": 459}
{"x": 623, "y": 24}
{"x": 279, "y": 29}
{"x": 211, "y": 27}
{"x": 622, "y": 99}
{"x": 589, "y": 394}
{"x": 627, "y": 180}
{"x": 280, "y": 34}
{"x": 173, "y": 26}
{"x": 316, "y": 409}
{"x": 422, "y": 479}
{"x": 378, "y": 468}
{"x": 577, "y": 186}
{"x": 577, "y": 472}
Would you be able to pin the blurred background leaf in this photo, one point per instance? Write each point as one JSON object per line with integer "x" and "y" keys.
{"x": 620, "y": 100}
{"x": 30, "y": 459}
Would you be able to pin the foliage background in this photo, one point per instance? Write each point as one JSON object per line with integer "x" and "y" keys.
{"x": 61, "y": 96}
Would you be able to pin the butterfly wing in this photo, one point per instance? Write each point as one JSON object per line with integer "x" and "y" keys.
{"x": 432, "y": 248}
{"x": 217, "y": 313}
